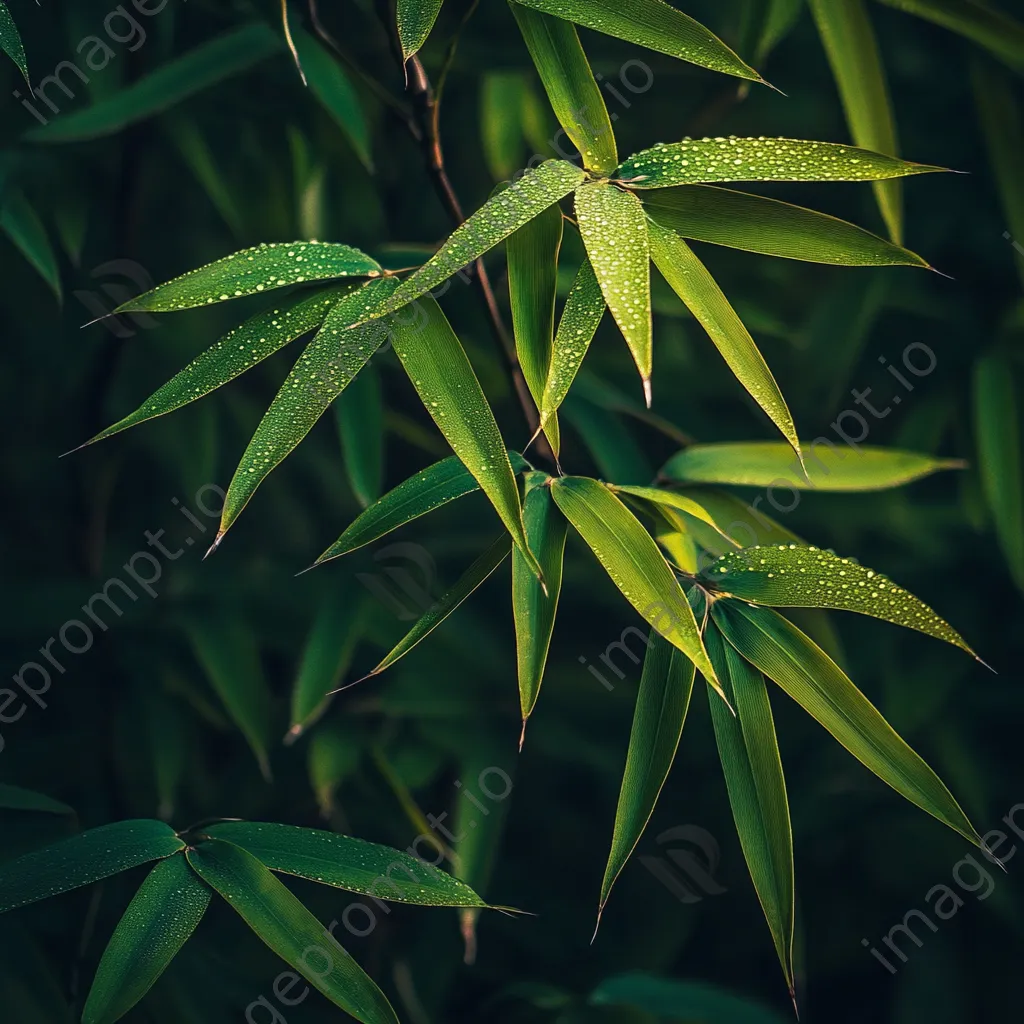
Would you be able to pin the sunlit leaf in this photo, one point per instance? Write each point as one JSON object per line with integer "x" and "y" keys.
{"x": 22, "y": 225}
{"x": 671, "y": 499}
{"x": 415, "y": 20}
{"x": 14, "y": 798}
{"x": 10, "y": 41}
{"x": 360, "y": 414}
{"x": 737, "y": 523}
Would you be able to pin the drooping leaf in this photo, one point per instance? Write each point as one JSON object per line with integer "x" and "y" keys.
{"x": 694, "y": 161}
{"x": 347, "y": 863}
{"x": 662, "y": 701}
{"x": 289, "y": 929}
{"x": 510, "y": 209}
{"x": 197, "y": 154}
{"x": 614, "y": 230}
{"x": 14, "y": 798}
{"x": 10, "y": 41}
{"x": 415, "y": 20}
{"x": 740, "y": 220}
{"x": 749, "y": 751}
{"x": 829, "y": 467}
{"x": 502, "y": 98}
{"x": 162, "y": 915}
{"x": 88, "y": 857}
{"x": 700, "y": 293}
{"x": 22, "y": 225}
{"x": 572, "y": 90}
{"x": 209, "y": 63}
{"x": 678, "y": 544}
{"x": 632, "y": 559}
{"x": 653, "y": 24}
{"x": 360, "y": 415}
{"x": 814, "y": 681}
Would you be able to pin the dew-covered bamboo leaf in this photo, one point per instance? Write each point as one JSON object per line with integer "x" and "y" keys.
{"x": 88, "y": 857}
{"x": 749, "y": 752}
{"x": 740, "y": 220}
{"x": 572, "y": 91}
{"x": 347, "y": 863}
{"x": 162, "y": 915}
{"x": 829, "y": 467}
{"x": 23, "y": 226}
{"x": 699, "y": 291}
{"x": 415, "y": 20}
{"x": 614, "y": 230}
{"x": 792, "y": 576}
{"x": 504, "y": 213}
{"x": 289, "y": 929}
{"x": 784, "y": 654}
{"x": 849, "y": 40}
{"x": 360, "y": 415}
{"x": 632, "y": 559}
{"x": 694, "y": 161}
{"x": 653, "y": 24}
{"x": 533, "y": 609}
{"x": 662, "y": 701}
{"x": 10, "y": 41}
{"x": 14, "y": 798}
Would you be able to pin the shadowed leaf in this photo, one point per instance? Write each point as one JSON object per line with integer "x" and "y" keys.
{"x": 10, "y": 41}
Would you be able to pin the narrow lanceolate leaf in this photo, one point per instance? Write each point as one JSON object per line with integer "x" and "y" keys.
{"x": 749, "y": 752}
{"x": 829, "y": 466}
{"x": 10, "y": 41}
{"x": 23, "y": 226}
{"x": 162, "y": 915}
{"x": 666, "y": 686}
{"x": 415, "y": 20}
{"x": 758, "y": 224}
{"x": 533, "y": 609}
{"x": 581, "y": 316}
{"x": 510, "y": 209}
{"x": 241, "y": 348}
{"x": 14, "y": 798}
{"x": 632, "y": 559}
{"x": 326, "y": 367}
{"x": 360, "y": 416}
{"x": 347, "y": 863}
{"x": 251, "y": 271}
{"x": 815, "y": 682}
{"x": 472, "y": 578}
{"x": 791, "y": 576}
{"x": 71, "y": 863}
{"x": 997, "y": 431}
{"x": 693, "y": 161}
{"x": 737, "y": 523}
{"x": 289, "y": 929}
{"x": 768, "y": 23}
{"x": 653, "y": 24}
{"x": 614, "y": 230}
{"x": 572, "y": 90}
{"x": 444, "y": 379}
{"x": 532, "y": 280}
{"x": 700, "y": 293}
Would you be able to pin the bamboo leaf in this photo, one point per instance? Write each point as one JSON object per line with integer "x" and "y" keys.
{"x": 415, "y": 20}
{"x": 614, "y": 231}
{"x": 572, "y": 91}
{"x": 609, "y": 441}
{"x": 700, "y": 293}
{"x": 670, "y": 499}
{"x": 502, "y": 103}
{"x": 767, "y": 24}
{"x": 335, "y": 750}
{"x": 817, "y": 684}
{"x": 197, "y": 154}
{"x": 162, "y": 915}
{"x": 14, "y": 798}
{"x": 849, "y": 40}
{"x": 10, "y": 41}
{"x": 87, "y": 857}
{"x": 693, "y": 161}
{"x": 662, "y": 701}
{"x": 23, "y": 226}
{"x": 360, "y": 415}
{"x": 289, "y": 929}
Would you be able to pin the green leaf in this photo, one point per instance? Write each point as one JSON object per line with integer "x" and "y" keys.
{"x": 670, "y": 499}
{"x": 261, "y": 268}
{"x": 440, "y": 371}
{"x": 533, "y": 609}
{"x": 666, "y": 686}
{"x": 326, "y": 367}
{"x": 25, "y": 229}
{"x": 239, "y": 350}
{"x": 569, "y": 82}
{"x": 653, "y": 24}
{"x": 335, "y": 750}
{"x": 614, "y": 230}
{"x": 162, "y": 915}
{"x": 196, "y": 153}
{"x": 415, "y": 20}
{"x": 360, "y": 414}
{"x": 822, "y": 689}
{"x": 633, "y": 561}
{"x": 14, "y": 798}
{"x": 700, "y": 293}
{"x": 792, "y": 576}
{"x": 88, "y": 857}
{"x": 502, "y": 102}
{"x": 476, "y": 574}
{"x": 289, "y": 929}
{"x": 532, "y": 279}
{"x": 997, "y": 431}
{"x": 829, "y": 468}
{"x": 10, "y": 41}
{"x": 693, "y": 161}
{"x": 581, "y": 316}
{"x": 749, "y": 751}
{"x": 768, "y": 23}
{"x": 212, "y": 62}
{"x": 758, "y": 224}
{"x": 347, "y": 863}
{"x": 609, "y": 441}
{"x": 510, "y": 209}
